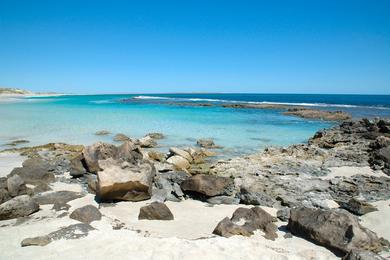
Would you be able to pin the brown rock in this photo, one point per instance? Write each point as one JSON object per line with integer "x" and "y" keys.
{"x": 155, "y": 211}
{"x": 208, "y": 185}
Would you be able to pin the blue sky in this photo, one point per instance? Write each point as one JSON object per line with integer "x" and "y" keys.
{"x": 202, "y": 46}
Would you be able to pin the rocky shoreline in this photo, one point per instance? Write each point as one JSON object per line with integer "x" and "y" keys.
{"x": 317, "y": 195}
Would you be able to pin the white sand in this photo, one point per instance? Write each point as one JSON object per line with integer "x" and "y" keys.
{"x": 8, "y": 161}
{"x": 155, "y": 240}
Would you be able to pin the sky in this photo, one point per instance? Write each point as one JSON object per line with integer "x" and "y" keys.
{"x": 146, "y": 46}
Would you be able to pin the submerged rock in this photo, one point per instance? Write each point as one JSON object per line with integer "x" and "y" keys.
{"x": 155, "y": 211}
{"x": 121, "y": 138}
{"x": 208, "y": 144}
{"x": 102, "y": 132}
{"x": 208, "y": 185}
{"x": 19, "y": 206}
{"x": 334, "y": 229}
{"x": 156, "y": 135}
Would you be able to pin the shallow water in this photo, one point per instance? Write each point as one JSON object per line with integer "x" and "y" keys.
{"x": 75, "y": 119}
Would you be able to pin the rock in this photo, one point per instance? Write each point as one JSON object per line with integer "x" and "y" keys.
{"x": 207, "y": 143}
{"x": 16, "y": 186}
{"x": 252, "y": 219}
{"x": 180, "y": 152}
{"x": 99, "y": 151}
{"x": 75, "y": 231}
{"x": 318, "y": 114}
{"x": 179, "y": 162}
{"x": 86, "y": 214}
{"x": 208, "y": 185}
{"x": 17, "y": 142}
{"x": 102, "y": 132}
{"x": 96, "y": 153}
{"x": 252, "y": 196}
{"x": 147, "y": 142}
{"x": 356, "y": 254}
{"x": 19, "y": 206}
{"x": 4, "y": 195}
{"x": 156, "y": 156}
{"x": 121, "y": 138}
{"x": 58, "y": 206}
{"x": 34, "y": 171}
{"x": 35, "y": 241}
{"x": 155, "y": 211}
{"x": 76, "y": 166}
{"x": 283, "y": 214}
{"x": 358, "y": 207}
{"x": 198, "y": 155}
{"x": 223, "y": 200}
{"x": 227, "y": 228}
{"x": 132, "y": 183}
{"x": 168, "y": 186}
{"x": 92, "y": 183}
{"x": 53, "y": 197}
{"x": 335, "y": 229}
{"x": 201, "y": 168}
{"x": 156, "y": 136}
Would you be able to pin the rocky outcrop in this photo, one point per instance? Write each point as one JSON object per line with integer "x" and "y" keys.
{"x": 253, "y": 219}
{"x": 167, "y": 186}
{"x": 318, "y": 114}
{"x": 208, "y": 185}
{"x": 86, "y": 214}
{"x": 19, "y": 206}
{"x": 75, "y": 231}
{"x": 155, "y": 211}
{"x": 125, "y": 181}
{"x": 334, "y": 229}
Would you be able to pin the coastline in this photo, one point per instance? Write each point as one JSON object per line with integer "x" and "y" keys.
{"x": 311, "y": 175}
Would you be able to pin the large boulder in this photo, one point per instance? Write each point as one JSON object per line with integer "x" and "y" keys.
{"x": 208, "y": 185}
{"x": 125, "y": 182}
{"x": 245, "y": 221}
{"x": 34, "y": 171}
{"x": 155, "y": 211}
{"x": 19, "y": 206}
{"x": 335, "y": 229}
{"x": 98, "y": 151}
{"x": 86, "y": 214}
{"x": 95, "y": 153}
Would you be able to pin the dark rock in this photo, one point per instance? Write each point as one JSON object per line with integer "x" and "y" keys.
{"x": 358, "y": 207}
{"x": 35, "y": 241}
{"x": 61, "y": 197}
{"x": 4, "y": 195}
{"x": 335, "y": 229}
{"x": 252, "y": 197}
{"x": 208, "y": 185}
{"x": 318, "y": 114}
{"x": 254, "y": 219}
{"x": 58, "y": 206}
{"x": 19, "y": 206}
{"x": 102, "y": 132}
{"x": 92, "y": 183}
{"x": 155, "y": 211}
{"x": 76, "y": 166}
{"x": 86, "y": 214}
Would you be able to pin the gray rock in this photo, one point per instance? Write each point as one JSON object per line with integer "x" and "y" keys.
{"x": 58, "y": 206}
{"x": 335, "y": 229}
{"x": 223, "y": 200}
{"x": 121, "y": 138}
{"x": 155, "y": 211}
{"x": 75, "y": 231}
{"x": 86, "y": 214}
{"x": 34, "y": 171}
{"x": 16, "y": 186}
{"x": 76, "y": 166}
{"x": 283, "y": 214}
{"x": 208, "y": 144}
{"x": 208, "y": 185}
{"x": 252, "y": 197}
{"x": 19, "y": 206}
{"x": 53, "y": 197}
{"x": 102, "y": 132}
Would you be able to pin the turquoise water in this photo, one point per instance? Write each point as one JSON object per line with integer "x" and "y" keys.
{"x": 75, "y": 119}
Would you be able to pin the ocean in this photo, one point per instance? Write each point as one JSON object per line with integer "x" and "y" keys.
{"x": 75, "y": 118}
